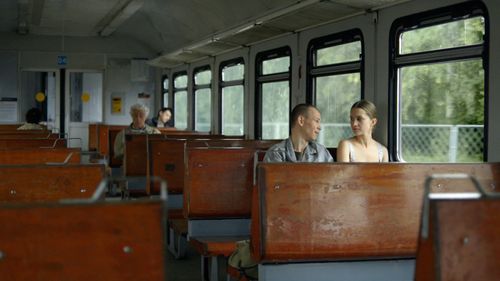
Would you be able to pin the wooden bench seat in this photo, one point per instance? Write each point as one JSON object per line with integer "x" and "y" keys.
{"x": 459, "y": 239}
{"x": 30, "y": 135}
{"x": 217, "y": 201}
{"x": 40, "y": 156}
{"x": 218, "y": 182}
{"x": 48, "y": 183}
{"x": 216, "y": 245}
{"x": 33, "y": 143}
{"x": 366, "y": 215}
{"x": 9, "y": 127}
{"x": 83, "y": 241}
{"x": 154, "y": 155}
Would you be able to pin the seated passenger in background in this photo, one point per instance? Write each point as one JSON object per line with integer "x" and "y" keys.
{"x": 139, "y": 113}
{"x": 301, "y": 146}
{"x": 163, "y": 119}
{"x": 33, "y": 117}
{"x": 362, "y": 147}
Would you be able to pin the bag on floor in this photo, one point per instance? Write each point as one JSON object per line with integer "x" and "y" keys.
{"x": 242, "y": 259}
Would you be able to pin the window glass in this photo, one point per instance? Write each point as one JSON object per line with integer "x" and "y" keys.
{"x": 165, "y": 92}
{"x": 180, "y": 82}
{"x": 234, "y": 72}
{"x": 203, "y": 77}
{"x": 202, "y": 110}
{"x": 275, "y": 110}
{"x": 335, "y": 95}
{"x": 442, "y": 36}
{"x": 165, "y": 84}
{"x": 86, "y": 97}
{"x": 277, "y": 65}
{"x": 232, "y": 110}
{"x": 339, "y": 54}
{"x": 181, "y": 110}
{"x": 442, "y": 112}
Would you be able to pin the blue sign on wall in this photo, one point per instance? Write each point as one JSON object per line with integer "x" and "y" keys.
{"x": 62, "y": 60}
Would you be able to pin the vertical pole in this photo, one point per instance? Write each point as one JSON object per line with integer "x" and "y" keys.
{"x": 62, "y": 106}
{"x": 452, "y": 154}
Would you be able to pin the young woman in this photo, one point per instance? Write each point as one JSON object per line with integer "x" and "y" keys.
{"x": 362, "y": 147}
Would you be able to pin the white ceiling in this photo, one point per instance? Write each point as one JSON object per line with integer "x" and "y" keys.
{"x": 177, "y": 30}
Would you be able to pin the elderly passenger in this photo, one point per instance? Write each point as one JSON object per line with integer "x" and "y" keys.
{"x": 139, "y": 113}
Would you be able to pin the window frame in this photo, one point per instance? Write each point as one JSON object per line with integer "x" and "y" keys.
{"x": 223, "y": 84}
{"x": 331, "y": 40}
{"x": 164, "y": 91}
{"x": 175, "y": 90}
{"x": 198, "y": 87}
{"x": 260, "y": 79}
{"x": 426, "y": 19}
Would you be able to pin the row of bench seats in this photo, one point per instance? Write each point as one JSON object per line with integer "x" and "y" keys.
{"x": 385, "y": 199}
{"x": 55, "y": 225}
{"x": 309, "y": 221}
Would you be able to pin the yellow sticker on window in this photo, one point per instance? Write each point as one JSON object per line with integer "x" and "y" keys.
{"x": 40, "y": 96}
{"x": 85, "y": 97}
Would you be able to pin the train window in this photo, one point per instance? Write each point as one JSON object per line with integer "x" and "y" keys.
{"x": 335, "y": 64}
{"x": 439, "y": 71}
{"x": 165, "y": 91}
{"x": 232, "y": 97}
{"x": 202, "y": 99}
{"x": 180, "y": 100}
{"x": 273, "y": 96}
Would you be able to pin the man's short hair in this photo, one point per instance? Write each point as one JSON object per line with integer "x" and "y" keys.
{"x": 298, "y": 110}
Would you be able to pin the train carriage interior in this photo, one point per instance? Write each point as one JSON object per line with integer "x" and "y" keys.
{"x": 175, "y": 199}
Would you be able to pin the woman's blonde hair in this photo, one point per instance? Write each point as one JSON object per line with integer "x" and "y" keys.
{"x": 367, "y": 106}
{"x": 139, "y": 107}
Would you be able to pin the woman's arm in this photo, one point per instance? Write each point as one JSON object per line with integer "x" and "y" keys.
{"x": 386, "y": 155}
{"x": 343, "y": 151}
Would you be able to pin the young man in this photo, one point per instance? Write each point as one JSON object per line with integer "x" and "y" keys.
{"x": 301, "y": 146}
{"x": 163, "y": 118}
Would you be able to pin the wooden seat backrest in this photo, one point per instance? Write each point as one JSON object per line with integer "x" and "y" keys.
{"x": 107, "y": 138}
{"x": 135, "y": 159}
{"x": 39, "y": 156}
{"x": 94, "y": 137}
{"x": 218, "y": 182}
{"x": 83, "y": 241}
{"x": 9, "y": 127}
{"x": 33, "y": 143}
{"x": 224, "y": 142}
{"x": 47, "y": 183}
{"x": 39, "y": 135}
{"x": 463, "y": 241}
{"x": 167, "y": 157}
{"x": 167, "y": 162}
{"x": 340, "y": 211}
